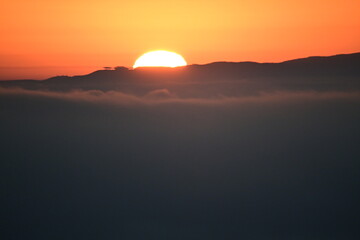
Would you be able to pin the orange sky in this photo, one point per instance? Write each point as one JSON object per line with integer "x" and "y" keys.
{"x": 41, "y": 38}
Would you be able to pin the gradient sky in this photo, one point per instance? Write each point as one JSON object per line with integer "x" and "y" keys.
{"x": 41, "y": 38}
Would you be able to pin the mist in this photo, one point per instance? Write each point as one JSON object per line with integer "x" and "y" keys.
{"x": 112, "y": 165}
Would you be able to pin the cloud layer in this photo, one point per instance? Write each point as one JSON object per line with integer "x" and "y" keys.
{"x": 104, "y": 165}
{"x": 164, "y": 96}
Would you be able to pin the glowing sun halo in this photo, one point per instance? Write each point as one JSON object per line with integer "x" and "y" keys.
{"x": 160, "y": 59}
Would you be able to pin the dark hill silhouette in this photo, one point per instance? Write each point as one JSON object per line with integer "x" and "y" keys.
{"x": 339, "y": 72}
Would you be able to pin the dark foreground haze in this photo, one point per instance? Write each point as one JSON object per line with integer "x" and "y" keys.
{"x": 274, "y": 162}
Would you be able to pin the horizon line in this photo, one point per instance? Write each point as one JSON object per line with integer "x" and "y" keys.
{"x": 113, "y": 68}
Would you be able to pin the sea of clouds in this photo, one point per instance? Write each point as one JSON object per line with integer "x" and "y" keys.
{"x": 113, "y": 165}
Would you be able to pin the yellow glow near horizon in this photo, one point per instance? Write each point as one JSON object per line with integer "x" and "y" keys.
{"x": 160, "y": 58}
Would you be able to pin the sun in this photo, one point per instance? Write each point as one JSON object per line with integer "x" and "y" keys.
{"x": 160, "y": 58}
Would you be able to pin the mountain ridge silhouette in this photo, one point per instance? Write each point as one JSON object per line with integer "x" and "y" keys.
{"x": 337, "y": 72}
